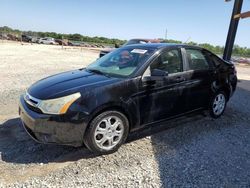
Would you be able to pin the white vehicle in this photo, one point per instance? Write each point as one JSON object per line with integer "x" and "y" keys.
{"x": 47, "y": 40}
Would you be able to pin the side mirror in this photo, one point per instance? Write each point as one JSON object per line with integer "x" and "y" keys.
{"x": 156, "y": 75}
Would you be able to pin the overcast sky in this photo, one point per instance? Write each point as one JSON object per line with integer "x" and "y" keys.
{"x": 202, "y": 21}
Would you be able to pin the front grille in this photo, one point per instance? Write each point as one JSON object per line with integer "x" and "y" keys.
{"x": 33, "y": 108}
{"x": 32, "y": 103}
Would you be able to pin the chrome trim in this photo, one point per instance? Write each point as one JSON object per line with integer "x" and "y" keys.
{"x": 27, "y": 98}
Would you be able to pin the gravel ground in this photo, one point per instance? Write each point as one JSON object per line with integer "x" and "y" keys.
{"x": 196, "y": 151}
{"x": 22, "y": 65}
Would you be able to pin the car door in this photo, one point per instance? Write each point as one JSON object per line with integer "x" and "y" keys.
{"x": 162, "y": 98}
{"x": 199, "y": 81}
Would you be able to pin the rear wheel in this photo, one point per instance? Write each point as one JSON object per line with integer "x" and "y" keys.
{"x": 218, "y": 104}
{"x": 107, "y": 132}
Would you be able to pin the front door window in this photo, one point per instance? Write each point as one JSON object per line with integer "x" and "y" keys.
{"x": 169, "y": 61}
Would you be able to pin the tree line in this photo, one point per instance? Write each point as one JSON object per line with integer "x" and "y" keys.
{"x": 237, "y": 50}
{"x": 72, "y": 37}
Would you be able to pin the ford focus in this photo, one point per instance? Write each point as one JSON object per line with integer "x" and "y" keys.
{"x": 130, "y": 88}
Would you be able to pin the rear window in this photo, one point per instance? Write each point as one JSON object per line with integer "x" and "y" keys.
{"x": 130, "y": 42}
{"x": 216, "y": 61}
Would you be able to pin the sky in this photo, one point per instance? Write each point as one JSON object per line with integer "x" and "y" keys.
{"x": 202, "y": 21}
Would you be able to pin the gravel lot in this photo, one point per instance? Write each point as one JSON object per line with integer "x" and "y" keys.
{"x": 196, "y": 152}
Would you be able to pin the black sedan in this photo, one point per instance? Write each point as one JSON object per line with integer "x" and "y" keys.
{"x": 123, "y": 91}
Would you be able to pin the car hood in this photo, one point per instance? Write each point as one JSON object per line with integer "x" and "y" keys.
{"x": 67, "y": 83}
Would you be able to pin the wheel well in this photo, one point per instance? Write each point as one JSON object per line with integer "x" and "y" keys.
{"x": 227, "y": 92}
{"x": 110, "y": 108}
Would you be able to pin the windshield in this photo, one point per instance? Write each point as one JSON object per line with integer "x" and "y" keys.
{"x": 121, "y": 62}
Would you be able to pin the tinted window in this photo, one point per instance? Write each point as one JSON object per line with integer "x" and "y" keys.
{"x": 215, "y": 60}
{"x": 196, "y": 59}
{"x": 169, "y": 61}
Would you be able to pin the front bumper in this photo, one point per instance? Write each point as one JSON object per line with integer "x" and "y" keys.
{"x": 52, "y": 129}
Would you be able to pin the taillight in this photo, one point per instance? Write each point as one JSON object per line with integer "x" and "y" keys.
{"x": 235, "y": 71}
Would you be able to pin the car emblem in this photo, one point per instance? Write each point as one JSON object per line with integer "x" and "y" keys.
{"x": 31, "y": 100}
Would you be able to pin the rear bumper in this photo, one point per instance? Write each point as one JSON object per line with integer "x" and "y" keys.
{"x": 52, "y": 129}
{"x": 233, "y": 85}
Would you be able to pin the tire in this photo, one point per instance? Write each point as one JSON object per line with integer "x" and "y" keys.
{"x": 218, "y": 104}
{"x": 107, "y": 132}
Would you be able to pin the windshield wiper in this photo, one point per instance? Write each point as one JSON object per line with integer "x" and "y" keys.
{"x": 98, "y": 72}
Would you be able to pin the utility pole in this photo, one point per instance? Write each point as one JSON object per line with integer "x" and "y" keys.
{"x": 62, "y": 41}
{"x": 166, "y": 34}
{"x": 232, "y": 30}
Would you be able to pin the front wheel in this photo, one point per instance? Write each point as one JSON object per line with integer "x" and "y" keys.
{"x": 218, "y": 104}
{"x": 107, "y": 132}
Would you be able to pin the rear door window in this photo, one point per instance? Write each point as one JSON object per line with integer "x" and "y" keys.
{"x": 196, "y": 60}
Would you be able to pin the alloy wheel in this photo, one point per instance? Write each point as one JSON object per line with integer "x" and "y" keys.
{"x": 219, "y": 104}
{"x": 108, "y": 132}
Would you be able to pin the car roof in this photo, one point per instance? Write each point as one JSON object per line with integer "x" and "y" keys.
{"x": 160, "y": 45}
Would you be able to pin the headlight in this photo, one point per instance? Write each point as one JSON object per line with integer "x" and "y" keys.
{"x": 58, "y": 105}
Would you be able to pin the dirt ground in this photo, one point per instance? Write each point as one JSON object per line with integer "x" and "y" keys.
{"x": 200, "y": 151}
{"x": 22, "y": 65}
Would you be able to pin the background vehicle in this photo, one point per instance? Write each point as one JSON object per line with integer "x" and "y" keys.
{"x": 35, "y": 39}
{"x": 4, "y": 36}
{"x": 26, "y": 38}
{"x": 47, "y": 40}
{"x": 130, "y": 42}
{"x": 61, "y": 42}
{"x": 133, "y": 86}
